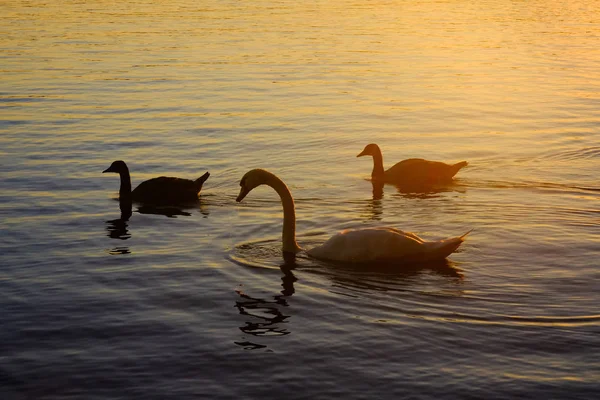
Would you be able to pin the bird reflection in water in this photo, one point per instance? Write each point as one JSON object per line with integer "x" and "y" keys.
{"x": 386, "y": 277}
{"x": 374, "y": 206}
{"x": 117, "y": 228}
{"x": 266, "y": 316}
{"x": 374, "y": 209}
{"x": 174, "y": 210}
{"x": 170, "y": 212}
{"x": 427, "y": 191}
{"x": 420, "y": 191}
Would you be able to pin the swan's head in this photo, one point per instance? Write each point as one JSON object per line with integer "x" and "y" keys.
{"x": 117, "y": 166}
{"x": 252, "y": 179}
{"x": 369, "y": 150}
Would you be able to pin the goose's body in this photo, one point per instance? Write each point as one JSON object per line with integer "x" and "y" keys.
{"x": 415, "y": 171}
{"x": 352, "y": 245}
{"x": 161, "y": 190}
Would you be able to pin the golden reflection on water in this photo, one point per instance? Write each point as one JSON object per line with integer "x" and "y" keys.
{"x": 481, "y": 69}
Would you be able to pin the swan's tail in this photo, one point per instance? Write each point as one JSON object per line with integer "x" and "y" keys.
{"x": 200, "y": 181}
{"x": 457, "y": 167}
{"x": 443, "y": 248}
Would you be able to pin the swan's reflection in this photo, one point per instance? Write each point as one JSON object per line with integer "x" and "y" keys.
{"x": 391, "y": 277}
{"x": 266, "y": 317}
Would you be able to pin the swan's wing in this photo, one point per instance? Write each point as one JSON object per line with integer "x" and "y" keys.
{"x": 407, "y": 234}
{"x": 371, "y": 244}
{"x": 441, "y": 249}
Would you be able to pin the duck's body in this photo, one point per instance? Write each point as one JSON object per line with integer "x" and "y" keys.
{"x": 352, "y": 245}
{"x": 161, "y": 190}
{"x": 413, "y": 171}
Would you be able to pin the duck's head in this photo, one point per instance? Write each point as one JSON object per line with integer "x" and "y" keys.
{"x": 369, "y": 150}
{"x": 252, "y": 179}
{"x": 117, "y": 167}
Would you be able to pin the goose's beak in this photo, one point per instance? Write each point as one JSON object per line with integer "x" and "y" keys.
{"x": 362, "y": 153}
{"x": 243, "y": 193}
{"x": 107, "y": 170}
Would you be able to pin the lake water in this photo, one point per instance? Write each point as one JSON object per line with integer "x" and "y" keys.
{"x": 201, "y": 304}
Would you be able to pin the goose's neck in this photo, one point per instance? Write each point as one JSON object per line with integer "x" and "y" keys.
{"x": 289, "y": 215}
{"x": 377, "y": 165}
{"x": 125, "y": 189}
{"x": 126, "y": 206}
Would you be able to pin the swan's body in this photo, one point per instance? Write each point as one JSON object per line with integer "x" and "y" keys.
{"x": 161, "y": 190}
{"x": 415, "y": 171}
{"x": 352, "y": 245}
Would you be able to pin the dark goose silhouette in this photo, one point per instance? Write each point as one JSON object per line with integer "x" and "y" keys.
{"x": 413, "y": 171}
{"x": 161, "y": 190}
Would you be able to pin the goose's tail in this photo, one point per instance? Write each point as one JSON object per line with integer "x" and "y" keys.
{"x": 443, "y": 248}
{"x": 457, "y": 167}
{"x": 200, "y": 181}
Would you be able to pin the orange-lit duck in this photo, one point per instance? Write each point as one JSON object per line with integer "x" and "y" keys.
{"x": 162, "y": 190}
{"x": 413, "y": 171}
{"x": 351, "y": 245}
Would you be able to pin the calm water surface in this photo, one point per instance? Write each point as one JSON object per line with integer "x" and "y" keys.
{"x": 199, "y": 303}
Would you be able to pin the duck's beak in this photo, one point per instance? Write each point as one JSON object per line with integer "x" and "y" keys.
{"x": 243, "y": 193}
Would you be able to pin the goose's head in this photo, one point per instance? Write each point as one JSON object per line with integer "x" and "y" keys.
{"x": 117, "y": 167}
{"x": 369, "y": 150}
{"x": 252, "y": 179}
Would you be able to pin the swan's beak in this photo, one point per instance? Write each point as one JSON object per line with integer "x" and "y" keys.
{"x": 243, "y": 193}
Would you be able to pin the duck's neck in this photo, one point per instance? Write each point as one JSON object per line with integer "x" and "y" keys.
{"x": 125, "y": 189}
{"x": 289, "y": 214}
{"x": 377, "y": 165}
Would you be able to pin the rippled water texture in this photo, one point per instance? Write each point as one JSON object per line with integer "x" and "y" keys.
{"x": 199, "y": 302}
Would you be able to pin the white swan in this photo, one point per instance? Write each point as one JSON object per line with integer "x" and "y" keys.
{"x": 351, "y": 245}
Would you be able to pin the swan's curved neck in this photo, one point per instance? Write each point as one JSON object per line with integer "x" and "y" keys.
{"x": 377, "y": 165}
{"x": 288, "y": 235}
{"x": 125, "y": 189}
